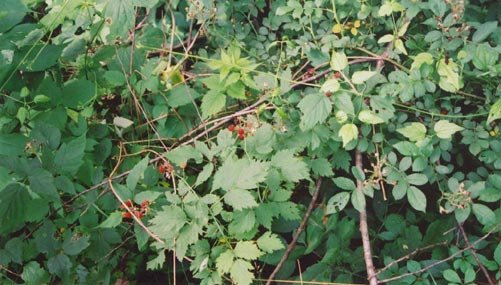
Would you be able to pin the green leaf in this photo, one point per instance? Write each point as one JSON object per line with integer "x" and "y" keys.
{"x": 11, "y": 13}
{"x": 224, "y": 262}
{"x": 484, "y": 30}
{"x": 339, "y": 61}
{"x": 205, "y": 174}
{"x": 136, "y": 173}
{"x": 33, "y": 274}
{"x": 180, "y": 155}
{"x": 358, "y": 200}
{"x": 348, "y": 132}
{"x": 74, "y": 244}
{"x": 240, "y": 174}
{"x": 42, "y": 182}
{"x": 445, "y": 129}
{"x": 360, "y": 77}
{"x": 385, "y": 39}
{"x": 247, "y": 250}
{"x": 13, "y": 200}
{"x": 168, "y": 222}
{"x": 385, "y": 9}
{"x": 236, "y": 90}
{"x": 212, "y": 103}
{"x": 416, "y": 198}
{"x": 69, "y": 156}
{"x": 451, "y": 276}
{"x": 292, "y": 168}
{"x": 113, "y": 220}
{"x": 485, "y": 57}
{"x": 269, "y": 242}
{"x": 12, "y": 144}
{"x": 78, "y": 93}
{"x": 243, "y": 222}
{"x": 121, "y": 16}
{"x": 59, "y": 265}
{"x": 321, "y": 167}
{"x": 240, "y": 272}
{"x": 344, "y": 183}
{"x": 484, "y": 214}
{"x": 315, "y": 108}
{"x": 157, "y": 262}
{"x": 369, "y": 117}
{"x": 421, "y": 58}
{"x": 417, "y": 179}
{"x": 240, "y": 199}
{"x": 337, "y": 203}
{"x": 331, "y": 85}
{"x": 494, "y": 112}
{"x": 406, "y": 148}
{"x": 497, "y": 254}
{"x": 413, "y": 131}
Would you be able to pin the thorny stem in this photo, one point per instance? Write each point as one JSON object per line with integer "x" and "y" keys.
{"x": 474, "y": 252}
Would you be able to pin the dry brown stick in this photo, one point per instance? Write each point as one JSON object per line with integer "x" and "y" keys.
{"x": 439, "y": 261}
{"x": 300, "y": 229}
{"x": 364, "y": 230}
{"x": 407, "y": 256}
{"x": 474, "y": 252}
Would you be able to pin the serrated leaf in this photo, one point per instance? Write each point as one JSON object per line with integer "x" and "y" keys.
{"x": 33, "y": 274}
{"x": 315, "y": 108}
{"x": 240, "y": 272}
{"x": 168, "y": 222}
{"x": 69, "y": 156}
{"x": 205, "y": 173}
{"x": 416, "y": 198}
{"x": 494, "y": 112}
{"x": 240, "y": 199}
{"x": 484, "y": 30}
{"x": 240, "y": 174}
{"x": 212, "y": 103}
{"x": 247, "y": 250}
{"x": 269, "y": 242}
{"x": 413, "y": 131}
{"x": 445, "y": 129}
{"x": 360, "y": 77}
{"x": 348, "y": 132}
{"x": 292, "y": 168}
{"x": 484, "y": 214}
{"x": 337, "y": 203}
{"x": 322, "y": 167}
{"x": 136, "y": 173}
{"x": 369, "y": 117}
{"x": 13, "y": 200}
{"x": 180, "y": 155}
{"x": 113, "y": 220}
{"x": 339, "y": 61}
{"x": 224, "y": 262}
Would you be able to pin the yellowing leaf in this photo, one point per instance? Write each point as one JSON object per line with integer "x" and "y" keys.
{"x": 338, "y": 61}
{"x": 445, "y": 129}
{"x": 399, "y": 45}
{"x": 413, "y": 131}
{"x": 495, "y": 112}
{"x": 449, "y": 76}
{"x": 337, "y": 28}
{"x": 421, "y": 58}
{"x": 357, "y": 24}
{"x": 247, "y": 250}
{"x": 348, "y": 133}
{"x": 331, "y": 85}
{"x": 369, "y": 117}
{"x": 385, "y": 39}
{"x": 354, "y": 31}
{"x": 385, "y": 10}
{"x": 360, "y": 77}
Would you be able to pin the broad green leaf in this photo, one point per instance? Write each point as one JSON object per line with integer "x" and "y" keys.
{"x": 78, "y": 93}
{"x": 369, "y": 117}
{"x": 292, "y": 168}
{"x": 451, "y": 276}
{"x": 360, "y": 77}
{"x": 224, "y": 262}
{"x": 421, "y": 58}
{"x": 236, "y": 90}
{"x": 485, "y": 57}
{"x": 331, "y": 85}
{"x": 113, "y": 220}
{"x": 157, "y": 262}
{"x": 484, "y": 214}
{"x": 337, "y": 203}
{"x": 413, "y": 131}
{"x": 42, "y": 183}
{"x": 497, "y": 254}
{"x": 12, "y": 144}
{"x": 136, "y": 173}
{"x": 344, "y": 183}
{"x": 416, "y": 198}
{"x": 315, "y": 108}
{"x": 121, "y": 15}
{"x": 205, "y": 174}
{"x": 243, "y": 221}
{"x": 247, "y": 250}
{"x": 240, "y": 272}
{"x": 417, "y": 179}
{"x": 74, "y": 244}
{"x": 385, "y": 9}
{"x": 167, "y": 223}
{"x": 322, "y": 167}
{"x": 240, "y": 174}
{"x": 339, "y": 61}
{"x": 385, "y": 39}
{"x": 445, "y": 129}
{"x": 400, "y": 190}
{"x": 180, "y": 155}
{"x": 11, "y": 13}
{"x": 449, "y": 76}
{"x": 212, "y": 103}
{"x": 494, "y": 112}
{"x": 33, "y": 274}
{"x": 484, "y": 30}
{"x": 358, "y": 200}
{"x": 269, "y": 242}
{"x": 240, "y": 199}
{"x": 77, "y": 47}
{"x": 406, "y": 148}
{"x": 348, "y": 132}
{"x": 59, "y": 265}
{"x": 69, "y": 156}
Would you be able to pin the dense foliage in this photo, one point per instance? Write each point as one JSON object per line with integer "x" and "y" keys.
{"x": 146, "y": 140}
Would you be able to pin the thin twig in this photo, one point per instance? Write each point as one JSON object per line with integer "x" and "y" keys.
{"x": 439, "y": 261}
{"x": 364, "y": 231}
{"x": 474, "y": 252}
{"x": 301, "y": 228}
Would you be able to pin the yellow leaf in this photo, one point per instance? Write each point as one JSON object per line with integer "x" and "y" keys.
{"x": 354, "y": 31}
{"x": 337, "y": 28}
{"x": 357, "y": 24}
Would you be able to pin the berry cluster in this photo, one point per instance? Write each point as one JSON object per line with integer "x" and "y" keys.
{"x": 166, "y": 169}
{"x": 139, "y": 211}
{"x": 240, "y": 131}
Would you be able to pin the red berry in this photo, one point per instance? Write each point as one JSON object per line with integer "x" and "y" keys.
{"x": 161, "y": 169}
{"x": 145, "y": 204}
{"x": 138, "y": 214}
{"x": 128, "y": 203}
{"x": 241, "y": 132}
{"x": 337, "y": 74}
{"x": 241, "y": 136}
{"x": 444, "y": 112}
{"x": 328, "y": 94}
{"x": 311, "y": 71}
{"x": 231, "y": 128}
{"x": 126, "y": 215}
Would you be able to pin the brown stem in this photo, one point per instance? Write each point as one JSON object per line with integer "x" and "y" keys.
{"x": 301, "y": 228}
{"x": 364, "y": 231}
{"x": 474, "y": 252}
